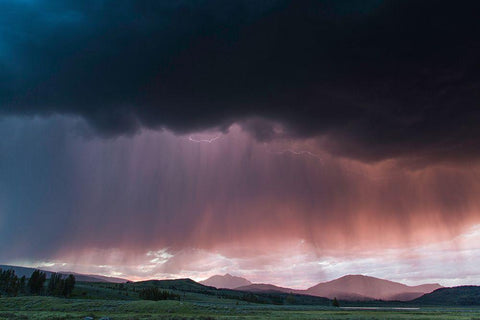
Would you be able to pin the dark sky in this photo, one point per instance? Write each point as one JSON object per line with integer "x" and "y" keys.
{"x": 381, "y": 79}
{"x": 181, "y": 138}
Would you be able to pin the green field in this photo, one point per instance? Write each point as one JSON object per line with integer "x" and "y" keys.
{"x": 60, "y": 308}
{"x": 121, "y": 301}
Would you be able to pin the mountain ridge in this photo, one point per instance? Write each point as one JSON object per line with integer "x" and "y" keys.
{"x": 27, "y": 271}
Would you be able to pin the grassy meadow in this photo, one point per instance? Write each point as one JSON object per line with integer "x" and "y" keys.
{"x": 59, "y": 308}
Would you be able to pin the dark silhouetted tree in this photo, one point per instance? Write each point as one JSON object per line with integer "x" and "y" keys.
{"x": 69, "y": 285}
{"x": 57, "y": 286}
{"x": 36, "y": 282}
{"x": 335, "y": 302}
{"x": 9, "y": 283}
{"x": 22, "y": 283}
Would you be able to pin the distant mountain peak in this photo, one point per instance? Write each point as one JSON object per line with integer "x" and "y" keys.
{"x": 226, "y": 281}
{"x": 357, "y": 276}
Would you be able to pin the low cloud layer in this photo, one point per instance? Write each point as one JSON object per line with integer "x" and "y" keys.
{"x": 377, "y": 79}
{"x": 296, "y": 265}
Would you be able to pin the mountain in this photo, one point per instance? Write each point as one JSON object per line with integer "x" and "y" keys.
{"x": 461, "y": 296}
{"x": 25, "y": 271}
{"x": 359, "y": 287}
{"x": 226, "y": 281}
{"x": 265, "y": 288}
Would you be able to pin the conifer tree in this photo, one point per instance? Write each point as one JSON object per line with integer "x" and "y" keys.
{"x": 36, "y": 282}
{"x": 335, "y": 302}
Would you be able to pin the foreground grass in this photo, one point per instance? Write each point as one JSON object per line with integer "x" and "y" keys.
{"x": 23, "y": 308}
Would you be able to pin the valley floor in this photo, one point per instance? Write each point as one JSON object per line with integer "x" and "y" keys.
{"x": 23, "y": 308}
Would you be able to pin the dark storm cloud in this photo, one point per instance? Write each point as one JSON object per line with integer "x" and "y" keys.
{"x": 379, "y": 79}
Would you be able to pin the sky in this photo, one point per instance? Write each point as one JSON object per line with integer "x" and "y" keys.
{"x": 289, "y": 142}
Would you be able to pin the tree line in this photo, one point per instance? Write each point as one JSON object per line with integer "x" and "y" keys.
{"x": 11, "y": 285}
{"x": 155, "y": 294}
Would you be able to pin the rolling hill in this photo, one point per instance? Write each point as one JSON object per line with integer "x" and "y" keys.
{"x": 264, "y": 287}
{"x": 461, "y": 296}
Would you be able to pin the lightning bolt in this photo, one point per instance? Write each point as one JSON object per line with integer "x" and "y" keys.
{"x": 190, "y": 138}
